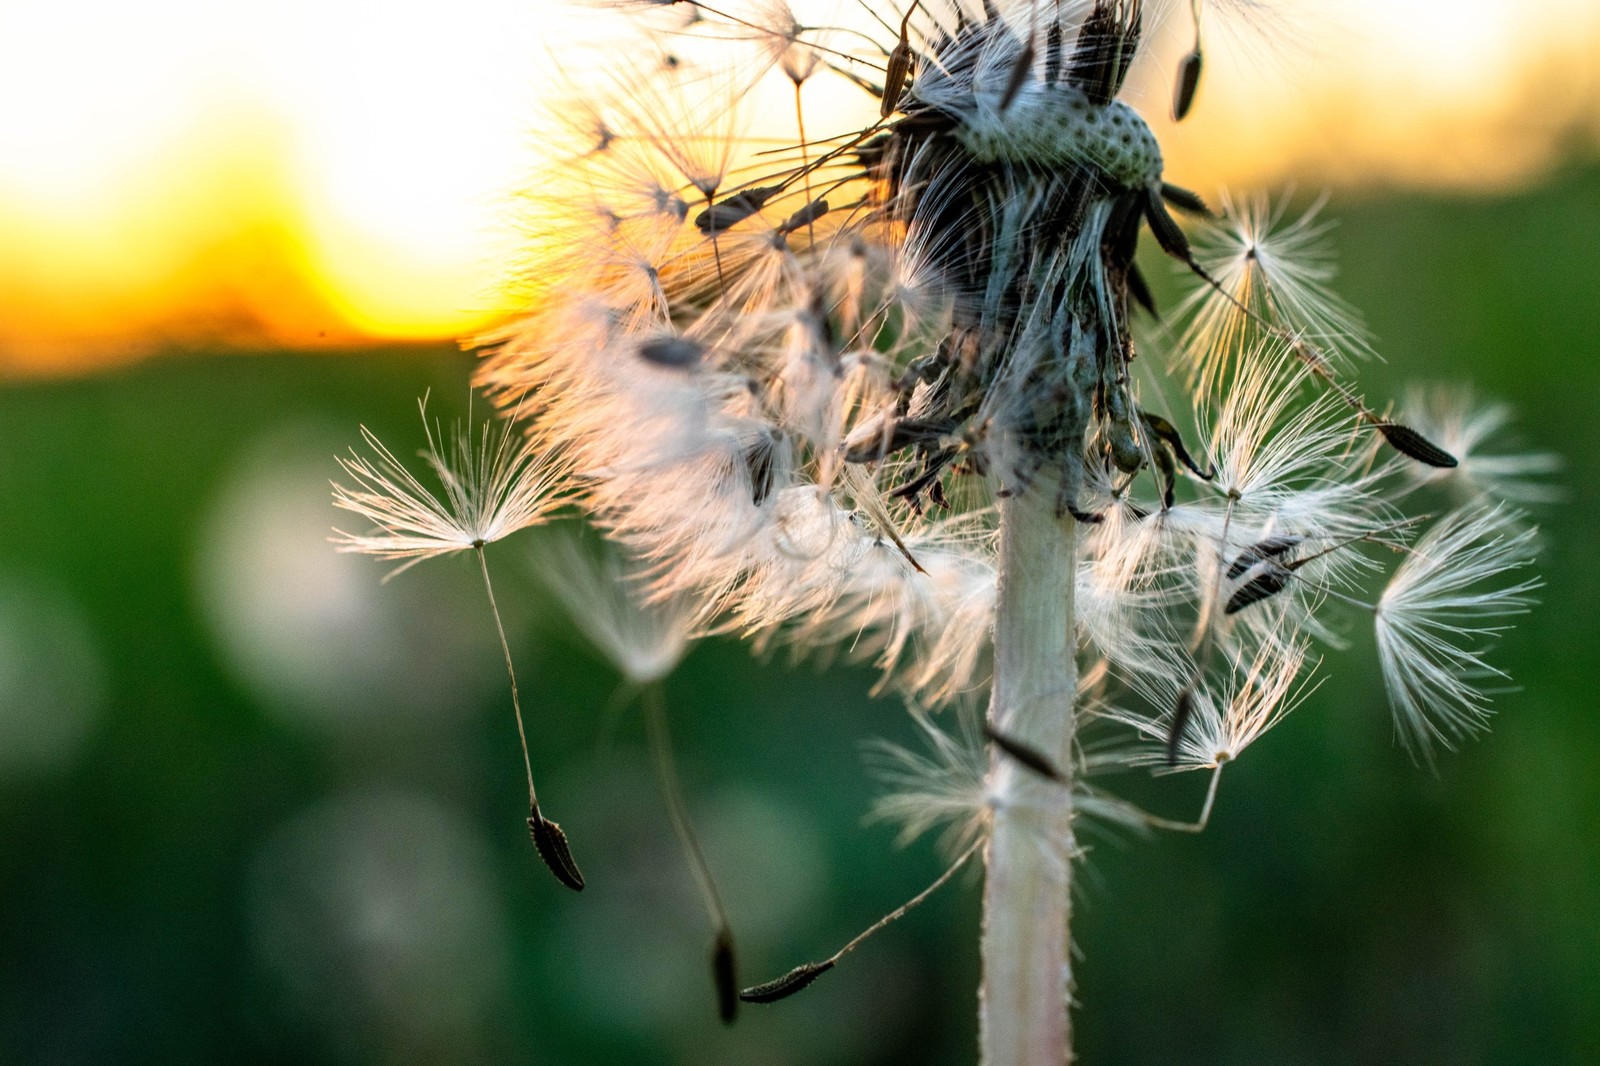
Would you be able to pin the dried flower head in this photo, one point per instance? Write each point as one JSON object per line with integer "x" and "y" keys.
{"x": 800, "y": 373}
{"x": 884, "y": 387}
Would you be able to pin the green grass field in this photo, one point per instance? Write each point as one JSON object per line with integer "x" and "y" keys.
{"x": 258, "y": 807}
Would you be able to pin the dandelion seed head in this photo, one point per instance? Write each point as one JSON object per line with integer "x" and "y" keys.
{"x": 1060, "y": 125}
{"x": 795, "y": 362}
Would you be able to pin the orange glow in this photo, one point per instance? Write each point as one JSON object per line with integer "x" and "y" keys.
{"x": 305, "y": 173}
{"x": 1472, "y": 94}
{"x": 187, "y": 173}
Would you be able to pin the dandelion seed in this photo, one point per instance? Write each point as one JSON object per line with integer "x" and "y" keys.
{"x": 1188, "y": 83}
{"x": 941, "y": 785}
{"x": 608, "y": 598}
{"x": 796, "y": 980}
{"x": 1025, "y": 754}
{"x": 801, "y": 976}
{"x": 1436, "y": 619}
{"x": 1220, "y": 721}
{"x": 489, "y": 492}
{"x": 645, "y": 638}
{"x": 1279, "y": 271}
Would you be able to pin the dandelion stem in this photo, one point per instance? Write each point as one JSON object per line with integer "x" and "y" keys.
{"x": 1026, "y": 963}
{"x": 511, "y": 671}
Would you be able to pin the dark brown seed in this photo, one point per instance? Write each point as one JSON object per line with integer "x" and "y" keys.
{"x": 1188, "y": 82}
{"x": 1259, "y": 588}
{"x": 1182, "y": 711}
{"x": 1027, "y": 755}
{"x": 1409, "y": 442}
{"x": 1169, "y": 476}
{"x": 805, "y": 216}
{"x": 725, "y": 977}
{"x": 677, "y": 353}
{"x": 903, "y": 433}
{"x": 1260, "y": 551}
{"x": 894, "y": 78}
{"x": 1168, "y": 434}
{"x": 761, "y": 463}
{"x": 551, "y": 844}
{"x": 1019, "y": 74}
{"x": 1167, "y": 233}
{"x": 1184, "y": 200}
{"x": 734, "y": 209}
{"x": 1139, "y": 289}
{"x": 787, "y": 985}
{"x": 1106, "y": 42}
{"x": 1052, "y": 52}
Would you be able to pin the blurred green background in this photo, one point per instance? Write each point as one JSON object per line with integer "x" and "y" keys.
{"x": 258, "y": 806}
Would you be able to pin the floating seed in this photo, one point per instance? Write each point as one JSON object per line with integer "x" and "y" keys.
{"x": 734, "y": 209}
{"x": 551, "y": 844}
{"x": 1182, "y": 711}
{"x": 1025, "y": 754}
{"x": 678, "y": 353}
{"x": 1255, "y": 590}
{"x": 787, "y": 985}
{"x": 804, "y": 217}
{"x": 1260, "y": 551}
{"x": 1188, "y": 82}
{"x": 724, "y": 976}
{"x": 1409, "y": 442}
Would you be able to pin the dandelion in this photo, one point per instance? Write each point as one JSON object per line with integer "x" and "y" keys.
{"x": 491, "y": 489}
{"x": 884, "y": 389}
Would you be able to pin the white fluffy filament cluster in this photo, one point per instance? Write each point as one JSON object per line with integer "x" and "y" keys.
{"x": 791, "y": 369}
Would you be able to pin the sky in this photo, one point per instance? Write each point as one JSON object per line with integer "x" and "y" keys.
{"x": 326, "y": 173}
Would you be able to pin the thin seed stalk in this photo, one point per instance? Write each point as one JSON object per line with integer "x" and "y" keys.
{"x": 1027, "y": 980}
